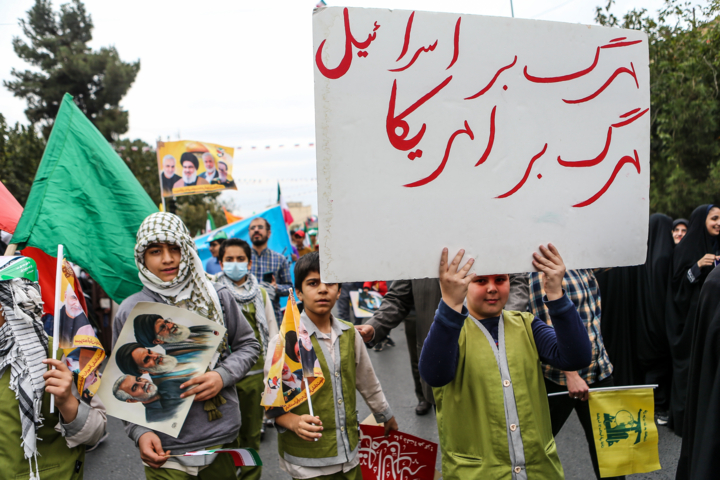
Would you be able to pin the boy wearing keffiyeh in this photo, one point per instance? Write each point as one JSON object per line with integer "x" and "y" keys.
{"x": 172, "y": 273}
{"x": 33, "y": 440}
{"x": 235, "y": 260}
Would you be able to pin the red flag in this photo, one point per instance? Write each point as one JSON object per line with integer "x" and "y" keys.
{"x": 46, "y": 267}
{"x": 10, "y": 212}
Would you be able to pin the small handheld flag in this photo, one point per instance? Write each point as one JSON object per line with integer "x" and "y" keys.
{"x": 626, "y": 438}
{"x": 243, "y": 457}
{"x": 294, "y": 364}
{"x": 74, "y": 335}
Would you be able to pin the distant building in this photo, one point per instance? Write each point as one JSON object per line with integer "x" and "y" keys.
{"x": 300, "y": 213}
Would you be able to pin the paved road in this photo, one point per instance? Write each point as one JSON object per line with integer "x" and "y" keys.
{"x": 118, "y": 459}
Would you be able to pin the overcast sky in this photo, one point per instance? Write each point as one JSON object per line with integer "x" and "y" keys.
{"x": 240, "y": 74}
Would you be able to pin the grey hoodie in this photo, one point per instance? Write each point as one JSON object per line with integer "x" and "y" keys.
{"x": 197, "y": 432}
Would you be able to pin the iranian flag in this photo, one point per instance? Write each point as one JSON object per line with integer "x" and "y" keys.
{"x": 243, "y": 457}
{"x": 286, "y": 211}
{"x": 210, "y": 223}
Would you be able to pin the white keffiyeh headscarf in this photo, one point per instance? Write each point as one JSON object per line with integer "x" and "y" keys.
{"x": 252, "y": 295}
{"x": 23, "y": 347}
{"x": 191, "y": 288}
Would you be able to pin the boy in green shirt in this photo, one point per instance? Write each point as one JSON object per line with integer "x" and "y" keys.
{"x": 484, "y": 364}
{"x": 318, "y": 446}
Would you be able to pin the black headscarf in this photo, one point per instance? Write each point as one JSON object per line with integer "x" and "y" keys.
{"x": 682, "y": 302}
{"x": 699, "y": 457}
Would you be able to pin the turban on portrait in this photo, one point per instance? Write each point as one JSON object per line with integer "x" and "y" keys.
{"x": 144, "y": 326}
{"x": 125, "y": 361}
{"x": 189, "y": 157}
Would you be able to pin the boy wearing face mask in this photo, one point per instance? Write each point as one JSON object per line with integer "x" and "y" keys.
{"x": 235, "y": 259}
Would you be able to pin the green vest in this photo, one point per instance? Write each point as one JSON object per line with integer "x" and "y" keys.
{"x": 324, "y": 404}
{"x": 248, "y": 311}
{"x": 55, "y": 459}
{"x": 471, "y": 410}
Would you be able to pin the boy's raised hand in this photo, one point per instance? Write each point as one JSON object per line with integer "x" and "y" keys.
{"x": 551, "y": 264}
{"x": 454, "y": 281}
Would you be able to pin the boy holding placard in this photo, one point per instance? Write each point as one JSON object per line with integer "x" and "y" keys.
{"x": 484, "y": 363}
{"x": 326, "y": 445}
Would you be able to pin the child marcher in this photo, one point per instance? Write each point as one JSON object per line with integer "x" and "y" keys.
{"x": 35, "y": 443}
{"x": 484, "y": 362}
{"x": 320, "y": 447}
{"x": 235, "y": 260}
{"x": 172, "y": 273}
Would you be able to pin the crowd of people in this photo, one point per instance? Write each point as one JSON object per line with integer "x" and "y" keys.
{"x": 485, "y": 352}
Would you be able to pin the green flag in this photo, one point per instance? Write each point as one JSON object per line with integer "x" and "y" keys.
{"x": 85, "y": 198}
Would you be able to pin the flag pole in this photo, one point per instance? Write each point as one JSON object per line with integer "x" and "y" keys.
{"x": 56, "y": 314}
{"x": 606, "y": 389}
{"x": 160, "y": 173}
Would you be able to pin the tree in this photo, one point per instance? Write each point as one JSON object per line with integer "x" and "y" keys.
{"x": 684, "y": 102}
{"x": 57, "y": 47}
{"x": 21, "y": 150}
{"x": 142, "y": 161}
{"x": 193, "y": 210}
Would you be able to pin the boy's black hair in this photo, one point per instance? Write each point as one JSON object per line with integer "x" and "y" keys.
{"x": 306, "y": 265}
{"x": 234, "y": 242}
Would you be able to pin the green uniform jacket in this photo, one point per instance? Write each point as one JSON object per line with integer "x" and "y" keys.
{"x": 471, "y": 410}
{"x": 325, "y": 450}
{"x": 55, "y": 459}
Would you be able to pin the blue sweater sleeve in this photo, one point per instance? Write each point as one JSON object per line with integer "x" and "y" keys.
{"x": 566, "y": 346}
{"x": 440, "y": 352}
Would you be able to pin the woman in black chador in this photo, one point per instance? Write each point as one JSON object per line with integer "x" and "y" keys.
{"x": 699, "y": 457}
{"x": 694, "y": 258}
{"x": 653, "y": 347}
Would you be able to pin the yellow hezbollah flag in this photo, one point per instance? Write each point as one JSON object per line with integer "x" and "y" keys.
{"x": 626, "y": 438}
{"x": 293, "y": 360}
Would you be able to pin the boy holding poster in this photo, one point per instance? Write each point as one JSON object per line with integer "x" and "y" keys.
{"x": 484, "y": 363}
{"x": 304, "y": 451}
{"x": 172, "y": 273}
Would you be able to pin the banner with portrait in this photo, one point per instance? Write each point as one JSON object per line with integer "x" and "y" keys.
{"x": 159, "y": 349}
{"x": 82, "y": 351}
{"x": 188, "y": 167}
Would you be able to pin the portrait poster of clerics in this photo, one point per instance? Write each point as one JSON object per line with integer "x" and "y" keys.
{"x": 190, "y": 167}
{"x": 294, "y": 362}
{"x": 399, "y": 456}
{"x": 365, "y": 304}
{"x": 159, "y": 348}
{"x": 483, "y": 133}
{"x": 82, "y": 351}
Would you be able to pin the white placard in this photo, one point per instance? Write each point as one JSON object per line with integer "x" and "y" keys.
{"x": 490, "y": 134}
